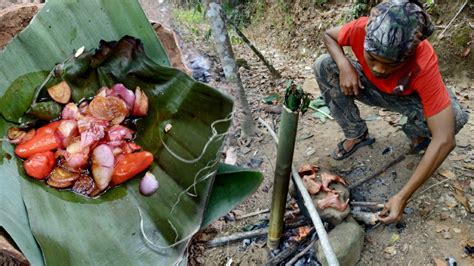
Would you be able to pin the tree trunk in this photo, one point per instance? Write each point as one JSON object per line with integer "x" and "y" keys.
{"x": 231, "y": 72}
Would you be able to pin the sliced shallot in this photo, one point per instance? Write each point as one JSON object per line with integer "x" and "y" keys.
{"x": 125, "y": 94}
{"x": 102, "y": 166}
{"x": 140, "y": 108}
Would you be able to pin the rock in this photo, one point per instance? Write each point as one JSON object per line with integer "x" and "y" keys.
{"x": 447, "y": 235}
{"x": 444, "y": 215}
{"x": 457, "y": 230}
{"x": 450, "y": 201}
{"x": 329, "y": 215}
{"x": 390, "y": 250}
{"x": 347, "y": 240}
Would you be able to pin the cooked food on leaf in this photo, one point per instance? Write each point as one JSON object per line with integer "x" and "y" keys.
{"x": 89, "y": 149}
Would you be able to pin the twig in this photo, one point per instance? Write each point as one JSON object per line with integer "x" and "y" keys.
{"x": 441, "y": 35}
{"x": 251, "y": 234}
{"x": 379, "y": 172}
{"x": 301, "y": 253}
{"x": 367, "y": 204}
{"x": 308, "y": 203}
{"x": 252, "y": 214}
{"x": 270, "y": 67}
{"x": 428, "y": 188}
{"x": 289, "y": 251}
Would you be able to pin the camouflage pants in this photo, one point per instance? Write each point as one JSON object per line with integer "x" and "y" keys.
{"x": 347, "y": 114}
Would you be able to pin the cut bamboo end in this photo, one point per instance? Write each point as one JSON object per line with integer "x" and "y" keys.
{"x": 272, "y": 243}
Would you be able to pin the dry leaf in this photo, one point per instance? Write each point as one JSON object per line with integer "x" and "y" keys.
{"x": 459, "y": 195}
{"x": 447, "y": 173}
{"x": 469, "y": 166}
{"x": 459, "y": 157}
{"x": 390, "y": 250}
{"x": 441, "y": 228}
{"x": 466, "y": 52}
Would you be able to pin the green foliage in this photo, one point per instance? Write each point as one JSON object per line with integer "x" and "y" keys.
{"x": 320, "y": 2}
{"x": 189, "y": 16}
{"x": 295, "y": 98}
{"x": 361, "y": 8}
{"x": 461, "y": 36}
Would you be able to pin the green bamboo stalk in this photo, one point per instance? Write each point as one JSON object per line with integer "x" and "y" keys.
{"x": 286, "y": 146}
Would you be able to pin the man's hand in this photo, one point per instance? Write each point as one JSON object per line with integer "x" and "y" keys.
{"x": 349, "y": 80}
{"x": 393, "y": 210}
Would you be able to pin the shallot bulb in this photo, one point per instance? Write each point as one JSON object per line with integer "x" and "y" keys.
{"x": 148, "y": 184}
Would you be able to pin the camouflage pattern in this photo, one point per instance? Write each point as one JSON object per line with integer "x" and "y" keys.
{"x": 346, "y": 112}
{"x": 395, "y": 28}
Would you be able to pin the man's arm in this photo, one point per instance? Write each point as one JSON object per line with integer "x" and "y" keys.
{"x": 442, "y": 143}
{"x": 348, "y": 76}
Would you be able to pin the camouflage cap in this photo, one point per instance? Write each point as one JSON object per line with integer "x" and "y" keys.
{"x": 395, "y": 28}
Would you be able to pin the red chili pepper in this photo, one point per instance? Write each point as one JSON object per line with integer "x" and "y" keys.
{"x": 49, "y": 128}
{"x": 129, "y": 165}
{"x": 40, "y": 165}
{"x": 39, "y": 143}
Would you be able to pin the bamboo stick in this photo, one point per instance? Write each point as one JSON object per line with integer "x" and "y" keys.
{"x": 287, "y": 138}
{"x": 318, "y": 224}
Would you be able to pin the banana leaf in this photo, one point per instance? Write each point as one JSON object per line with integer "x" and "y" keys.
{"x": 121, "y": 227}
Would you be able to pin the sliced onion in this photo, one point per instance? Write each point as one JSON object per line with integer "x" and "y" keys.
{"x": 60, "y": 92}
{"x": 70, "y": 111}
{"x": 148, "y": 185}
{"x": 102, "y": 166}
{"x": 125, "y": 94}
{"x": 67, "y": 131}
{"x": 140, "y": 107}
{"x": 118, "y": 132}
{"x": 109, "y": 108}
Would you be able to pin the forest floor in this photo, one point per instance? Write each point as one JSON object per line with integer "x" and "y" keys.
{"x": 435, "y": 225}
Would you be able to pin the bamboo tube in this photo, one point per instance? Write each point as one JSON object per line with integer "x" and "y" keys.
{"x": 318, "y": 224}
{"x": 286, "y": 147}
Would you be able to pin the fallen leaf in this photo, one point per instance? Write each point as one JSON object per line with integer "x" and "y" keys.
{"x": 441, "y": 228}
{"x": 466, "y": 52}
{"x": 447, "y": 235}
{"x": 439, "y": 262}
{"x": 393, "y": 239}
{"x": 458, "y": 157}
{"x": 459, "y": 195}
{"x": 390, "y": 250}
{"x": 469, "y": 166}
{"x": 447, "y": 173}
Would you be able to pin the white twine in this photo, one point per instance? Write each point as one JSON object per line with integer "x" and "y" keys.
{"x": 197, "y": 179}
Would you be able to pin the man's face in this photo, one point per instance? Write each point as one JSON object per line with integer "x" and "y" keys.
{"x": 380, "y": 67}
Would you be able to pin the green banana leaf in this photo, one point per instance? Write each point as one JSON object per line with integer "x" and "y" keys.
{"x": 121, "y": 227}
{"x": 231, "y": 186}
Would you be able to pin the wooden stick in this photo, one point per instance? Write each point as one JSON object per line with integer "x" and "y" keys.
{"x": 270, "y": 67}
{"x": 367, "y": 204}
{"x": 301, "y": 253}
{"x": 308, "y": 203}
{"x": 379, "y": 172}
{"x": 252, "y": 214}
{"x": 251, "y": 234}
{"x": 289, "y": 251}
{"x": 441, "y": 35}
{"x": 365, "y": 217}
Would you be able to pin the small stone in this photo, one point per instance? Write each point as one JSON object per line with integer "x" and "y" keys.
{"x": 450, "y": 202}
{"x": 168, "y": 128}
{"x": 441, "y": 228}
{"x": 447, "y": 235}
{"x": 443, "y": 215}
{"x": 405, "y": 248}
{"x": 457, "y": 230}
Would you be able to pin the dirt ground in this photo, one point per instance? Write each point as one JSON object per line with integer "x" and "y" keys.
{"x": 435, "y": 225}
